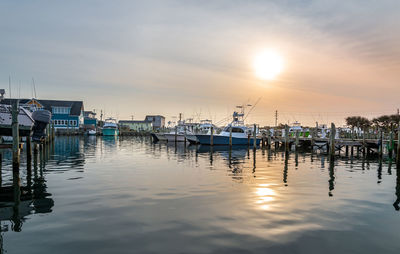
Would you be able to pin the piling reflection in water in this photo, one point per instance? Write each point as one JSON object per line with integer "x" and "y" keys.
{"x": 24, "y": 192}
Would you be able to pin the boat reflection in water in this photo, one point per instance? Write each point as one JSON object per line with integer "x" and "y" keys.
{"x": 24, "y": 193}
{"x": 18, "y": 201}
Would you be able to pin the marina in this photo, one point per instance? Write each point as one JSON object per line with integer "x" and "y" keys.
{"x": 199, "y": 127}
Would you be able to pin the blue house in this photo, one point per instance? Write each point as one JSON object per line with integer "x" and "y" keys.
{"x": 65, "y": 114}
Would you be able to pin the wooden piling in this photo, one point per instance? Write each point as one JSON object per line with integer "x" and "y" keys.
{"x": 176, "y": 133}
{"x": 230, "y": 135}
{"x": 332, "y": 141}
{"x": 380, "y": 143}
{"x": 269, "y": 139}
{"x": 390, "y": 145}
{"x": 254, "y": 137}
{"x": 398, "y": 147}
{"x": 297, "y": 139}
{"x": 363, "y": 143}
{"x": 15, "y": 134}
{"x": 286, "y": 138}
{"x": 53, "y": 131}
{"x": 263, "y": 141}
{"x": 212, "y": 136}
{"x": 313, "y": 136}
{"x": 28, "y": 149}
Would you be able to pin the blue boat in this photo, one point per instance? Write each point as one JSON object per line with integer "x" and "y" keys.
{"x": 110, "y": 127}
{"x": 241, "y": 135}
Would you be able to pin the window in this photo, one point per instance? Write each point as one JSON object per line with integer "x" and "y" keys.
{"x": 72, "y": 122}
{"x": 234, "y": 130}
{"x": 61, "y": 110}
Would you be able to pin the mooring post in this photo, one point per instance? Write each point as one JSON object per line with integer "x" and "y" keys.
{"x": 286, "y": 138}
{"x": 176, "y": 133}
{"x": 363, "y": 143}
{"x": 269, "y": 139}
{"x": 391, "y": 146}
{"x": 212, "y": 136}
{"x": 332, "y": 141}
{"x": 230, "y": 135}
{"x": 184, "y": 138}
{"x": 297, "y": 139}
{"x": 313, "y": 134}
{"x": 398, "y": 147}
{"x": 380, "y": 144}
{"x": 28, "y": 149}
{"x": 53, "y": 131}
{"x": 15, "y": 134}
{"x": 35, "y": 149}
{"x": 263, "y": 140}
{"x": 254, "y": 137}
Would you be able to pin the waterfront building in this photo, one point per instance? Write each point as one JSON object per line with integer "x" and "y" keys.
{"x": 65, "y": 114}
{"x": 157, "y": 120}
{"x": 138, "y": 126}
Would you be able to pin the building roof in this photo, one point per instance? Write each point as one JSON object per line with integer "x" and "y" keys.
{"x": 155, "y": 116}
{"x": 133, "y": 121}
{"x": 76, "y": 106}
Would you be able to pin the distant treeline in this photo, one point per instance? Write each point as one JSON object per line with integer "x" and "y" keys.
{"x": 385, "y": 122}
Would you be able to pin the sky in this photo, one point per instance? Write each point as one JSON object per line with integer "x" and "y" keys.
{"x": 133, "y": 58}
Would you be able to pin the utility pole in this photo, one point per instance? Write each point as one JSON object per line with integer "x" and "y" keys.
{"x": 132, "y": 117}
{"x": 276, "y": 118}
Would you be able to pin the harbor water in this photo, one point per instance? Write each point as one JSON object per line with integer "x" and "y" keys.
{"x": 129, "y": 195}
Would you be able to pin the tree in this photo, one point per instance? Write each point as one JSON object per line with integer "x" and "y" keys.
{"x": 358, "y": 121}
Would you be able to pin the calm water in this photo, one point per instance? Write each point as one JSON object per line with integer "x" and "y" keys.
{"x": 127, "y": 195}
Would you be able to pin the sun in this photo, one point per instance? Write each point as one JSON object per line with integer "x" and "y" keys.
{"x": 268, "y": 64}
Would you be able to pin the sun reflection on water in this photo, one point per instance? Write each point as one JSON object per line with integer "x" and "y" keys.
{"x": 265, "y": 195}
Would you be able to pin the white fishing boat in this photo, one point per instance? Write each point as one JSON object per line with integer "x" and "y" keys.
{"x": 204, "y": 128}
{"x": 236, "y": 129}
{"x": 178, "y": 134}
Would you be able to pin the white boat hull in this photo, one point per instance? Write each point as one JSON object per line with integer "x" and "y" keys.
{"x": 192, "y": 138}
{"x": 161, "y": 137}
{"x": 171, "y": 137}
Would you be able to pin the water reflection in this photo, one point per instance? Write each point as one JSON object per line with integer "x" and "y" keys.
{"x": 216, "y": 198}
{"x": 18, "y": 201}
{"x": 24, "y": 193}
{"x": 397, "y": 192}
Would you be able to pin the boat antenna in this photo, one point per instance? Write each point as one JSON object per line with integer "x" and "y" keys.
{"x": 9, "y": 84}
{"x": 34, "y": 87}
{"x": 255, "y": 104}
{"x": 19, "y": 90}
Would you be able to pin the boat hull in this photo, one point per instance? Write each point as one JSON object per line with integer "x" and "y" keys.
{"x": 171, "y": 137}
{"x": 192, "y": 139}
{"x": 205, "y": 139}
{"x": 110, "y": 132}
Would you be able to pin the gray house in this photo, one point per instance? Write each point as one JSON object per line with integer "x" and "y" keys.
{"x": 157, "y": 120}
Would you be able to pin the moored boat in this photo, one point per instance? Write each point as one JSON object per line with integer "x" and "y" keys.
{"x": 110, "y": 127}
{"x": 240, "y": 134}
{"x": 204, "y": 128}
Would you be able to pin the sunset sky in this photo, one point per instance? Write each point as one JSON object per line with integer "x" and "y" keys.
{"x": 197, "y": 57}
